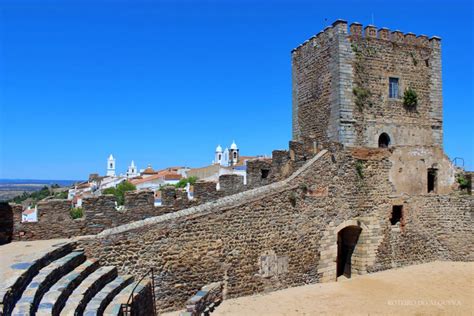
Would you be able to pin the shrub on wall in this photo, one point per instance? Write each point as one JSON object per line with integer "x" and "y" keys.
{"x": 463, "y": 181}
{"x": 410, "y": 99}
{"x": 362, "y": 97}
{"x": 183, "y": 182}
{"x": 76, "y": 212}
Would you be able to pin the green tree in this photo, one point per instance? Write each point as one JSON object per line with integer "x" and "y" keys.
{"x": 119, "y": 191}
{"x": 35, "y": 196}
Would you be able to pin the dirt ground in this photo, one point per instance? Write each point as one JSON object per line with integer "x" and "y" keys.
{"x": 437, "y": 288}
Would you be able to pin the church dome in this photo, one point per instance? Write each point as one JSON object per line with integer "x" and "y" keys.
{"x": 149, "y": 170}
{"x": 233, "y": 146}
{"x": 218, "y": 149}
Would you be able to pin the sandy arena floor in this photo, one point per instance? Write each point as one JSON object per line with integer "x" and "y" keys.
{"x": 438, "y": 288}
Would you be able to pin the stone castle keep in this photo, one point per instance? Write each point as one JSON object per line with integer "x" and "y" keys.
{"x": 333, "y": 68}
{"x": 364, "y": 186}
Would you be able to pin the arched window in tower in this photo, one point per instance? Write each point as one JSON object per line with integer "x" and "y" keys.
{"x": 235, "y": 155}
{"x": 219, "y": 157}
{"x": 384, "y": 140}
{"x": 111, "y": 165}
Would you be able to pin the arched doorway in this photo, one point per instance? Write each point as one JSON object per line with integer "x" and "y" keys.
{"x": 384, "y": 140}
{"x": 346, "y": 242}
{"x": 363, "y": 254}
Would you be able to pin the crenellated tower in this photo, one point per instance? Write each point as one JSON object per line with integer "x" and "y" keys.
{"x": 365, "y": 86}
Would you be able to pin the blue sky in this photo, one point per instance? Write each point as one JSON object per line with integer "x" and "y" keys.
{"x": 164, "y": 82}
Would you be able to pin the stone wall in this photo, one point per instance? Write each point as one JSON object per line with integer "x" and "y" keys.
{"x": 99, "y": 213}
{"x": 231, "y": 183}
{"x": 6, "y": 223}
{"x": 259, "y": 172}
{"x": 206, "y": 191}
{"x": 410, "y": 165}
{"x": 341, "y": 87}
{"x": 263, "y": 171}
{"x": 168, "y": 195}
{"x": 54, "y": 221}
{"x": 285, "y": 234}
{"x": 312, "y": 73}
{"x": 433, "y": 227}
{"x": 415, "y": 61}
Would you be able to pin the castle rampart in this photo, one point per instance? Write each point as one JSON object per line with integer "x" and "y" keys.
{"x": 285, "y": 234}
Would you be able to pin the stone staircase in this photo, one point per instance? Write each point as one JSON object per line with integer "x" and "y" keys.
{"x": 62, "y": 281}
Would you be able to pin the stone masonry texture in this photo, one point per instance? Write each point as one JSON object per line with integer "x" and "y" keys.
{"x": 331, "y": 67}
{"x": 291, "y": 226}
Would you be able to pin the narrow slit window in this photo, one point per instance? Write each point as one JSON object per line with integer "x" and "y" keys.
{"x": 393, "y": 88}
{"x": 432, "y": 175}
{"x": 397, "y": 214}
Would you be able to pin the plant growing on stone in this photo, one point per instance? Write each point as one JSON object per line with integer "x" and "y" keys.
{"x": 355, "y": 49}
{"x": 76, "y": 212}
{"x": 463, "y": 181}
{"x": 304, "y": 188}
{"x": 360, "y": 168}
{"x": 183, "y": 182}
{"x": 410, "y": 98}
{"x": 362, "y": 96}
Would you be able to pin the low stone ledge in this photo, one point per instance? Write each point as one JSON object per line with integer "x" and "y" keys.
{"x": 205, "y": 300}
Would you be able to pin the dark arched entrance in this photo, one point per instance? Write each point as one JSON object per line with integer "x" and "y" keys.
{"x": 384, "y": 140}
{"x": 346, "y": 241}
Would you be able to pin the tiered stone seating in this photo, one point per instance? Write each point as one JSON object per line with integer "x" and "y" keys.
{"x": 98, "y": 304}
{"x": 61, "y": 281}
{"x": 56, "y": 297}
{"x": 46, "y": 277}
{"x": 88, "y": 288}
{"x": 21, "y": 273}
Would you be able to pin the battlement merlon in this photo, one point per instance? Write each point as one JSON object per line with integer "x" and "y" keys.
{"x": 370, "y": 31}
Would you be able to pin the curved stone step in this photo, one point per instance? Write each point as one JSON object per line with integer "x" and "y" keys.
{"x": 88, "y": 288}
{"x": 100, "y": 301}
{"x": 55, "y": 299}
{"x": 21, "y": 273}
{"x": 46, "y": 277}
{"x": 115, "y": 306}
